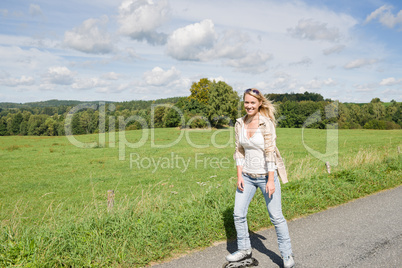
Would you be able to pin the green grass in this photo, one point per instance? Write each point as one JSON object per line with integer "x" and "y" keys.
{"x": 54, "y": 195}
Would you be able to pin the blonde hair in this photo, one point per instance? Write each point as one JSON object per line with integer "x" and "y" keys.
{"x": 266, "y": 108}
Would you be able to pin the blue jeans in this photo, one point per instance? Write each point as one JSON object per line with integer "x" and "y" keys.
{"x": 274, "y": 207}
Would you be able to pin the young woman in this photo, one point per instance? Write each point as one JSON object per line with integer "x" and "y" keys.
{"x": 258, "y": 165}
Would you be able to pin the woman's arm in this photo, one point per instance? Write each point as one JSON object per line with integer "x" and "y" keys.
{"x": 238, "y": 156}
{"x": 270, "y": 186}
{"x": 240, "y": 180}
{"x": 269, "y": 141}
{"x": 269, "y": 148}
{"x": 239, "y": 153}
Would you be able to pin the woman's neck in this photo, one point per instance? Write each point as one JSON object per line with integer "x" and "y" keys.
{"x": 251, "y": 118}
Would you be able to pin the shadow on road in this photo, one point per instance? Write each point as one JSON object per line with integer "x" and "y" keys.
{"x": 256, "y": 239}
{"x": 257, "y": 244}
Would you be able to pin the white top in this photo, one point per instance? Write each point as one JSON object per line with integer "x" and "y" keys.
{"x": 254, "y": 161}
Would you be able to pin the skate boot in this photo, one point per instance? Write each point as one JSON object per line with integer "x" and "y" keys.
{"x": 288, "y": 262}
{"x": 239, "y": 255}
{"x": 240, "y": 259}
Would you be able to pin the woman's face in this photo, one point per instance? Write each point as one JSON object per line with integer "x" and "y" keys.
{"x": 251, "y": 104}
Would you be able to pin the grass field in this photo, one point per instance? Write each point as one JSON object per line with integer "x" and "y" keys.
{"x": 168, "y": 200}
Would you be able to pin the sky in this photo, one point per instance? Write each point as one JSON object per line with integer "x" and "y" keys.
{"x": 127, "y": 50}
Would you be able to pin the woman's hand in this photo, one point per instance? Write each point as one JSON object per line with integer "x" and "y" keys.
{"x": 240, "y": 183}
{"x": 270, "y": 187}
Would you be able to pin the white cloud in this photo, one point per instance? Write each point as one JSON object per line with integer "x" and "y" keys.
{"x": 318, "y": 84}
{"x": 113, "y": 88}
{"x": 140, "y": 19}
{"x": 251, "y": 63}
{"x": 269, "y": 16}
{"x": 334, "y": 49}
{"x": 191, "y": 41}
{"x": 159, "y": 77}
{"x": 391, "y": 94}
{"x": 34, "y": 10}
{"x": 284, "y": 82}
{"x": 304, "y": 61}
{"x": 385, "y": 17}
{"x": 90, "y": 37}
{"x": 371, "y": 87}
{"x": 217, "y": 79}
{"x": 230, "y": 44}
{"x": 89, "y": 83}
{"x": 58, "y": 75}
{"x": 314, "y": 30}
{"x": 111, "y": 76}
{"x": 14, "y": 82}
{"x": 16, "y": 60}
{"x": 159, "y": 83}
{"x": 200, "y": 42}
{"x": 29, "y": 41}
{"x": 276, "y": 37}
{"x": 131, "y": 53}
{"x": 180, "y": 87}
{"x": 359, "y": 63}
{"x": 390, "y": 81}
{"x": 281, "y": 82}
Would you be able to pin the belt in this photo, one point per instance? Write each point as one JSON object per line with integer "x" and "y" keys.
{"x": 254, "y": 175}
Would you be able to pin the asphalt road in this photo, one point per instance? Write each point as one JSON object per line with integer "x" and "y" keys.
{"x": 366, "y": 232}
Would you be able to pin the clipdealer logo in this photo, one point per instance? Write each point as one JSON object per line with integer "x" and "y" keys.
{"x": 123, "y": 143}
{"x": 176, "y": 161}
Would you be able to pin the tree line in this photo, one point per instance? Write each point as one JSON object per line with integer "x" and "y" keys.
{"x": 210, "y": 104}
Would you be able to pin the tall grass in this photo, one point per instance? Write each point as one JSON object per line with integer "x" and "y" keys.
{"x": 54, "y": 211}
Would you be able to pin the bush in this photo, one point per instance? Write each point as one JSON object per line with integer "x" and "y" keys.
{"x": 392, "y": 125}
{"x": 375, "y": 124}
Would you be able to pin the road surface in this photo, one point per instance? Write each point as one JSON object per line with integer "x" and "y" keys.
{"x": 366, "y": 232}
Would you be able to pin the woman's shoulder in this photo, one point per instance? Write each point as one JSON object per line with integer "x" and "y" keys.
{"x": 265, "y": 119}
{"x": 240, "y": 120}
{"x": 267, "y": 123}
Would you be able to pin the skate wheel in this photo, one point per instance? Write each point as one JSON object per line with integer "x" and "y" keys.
{"x": 255, "y": 262}
{"x": 244, "y": 263}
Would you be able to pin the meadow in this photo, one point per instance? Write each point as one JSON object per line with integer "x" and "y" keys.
{"x": 174, "y": 190}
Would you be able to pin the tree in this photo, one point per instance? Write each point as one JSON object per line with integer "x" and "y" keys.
{"x": 343, "y": 116}
{"x": 355, "y": 116}
{"x": 3, "y": 127}
{"x": 376, "y": 100}
{"x": 222, "y": 104}
{"x": 50, "y": 127}
{"x": 159, "y": 113}
{"x": 24, "y": 128}
{"x": 195, "y": 107}
{"x": 49, "y": 110}
{"x": 36, "y": 125}
{"x": 374, "y": 110}
{"x": 171, "y": 118}
{"x": 200, "y": 91}
{"x": 306, "y": 96}
{"x": 375, "y": 124}
{"x": 15, "y": 124}
{"x": 60, "y": 128}
{"x": 397, "y": 116}
{"x": 85, "y": 121}
{"x": 304, "y": 113}
{"x": 76, "y": 126}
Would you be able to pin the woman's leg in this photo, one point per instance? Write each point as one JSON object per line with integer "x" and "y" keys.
{"x": 242, "y": 201}
{"x": 274, "y": 206}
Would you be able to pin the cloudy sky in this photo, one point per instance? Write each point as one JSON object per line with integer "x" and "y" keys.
{"x": 150, "y": 49}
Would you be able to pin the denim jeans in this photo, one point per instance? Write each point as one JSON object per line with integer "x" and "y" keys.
{"x": 274, "y": 207}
